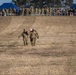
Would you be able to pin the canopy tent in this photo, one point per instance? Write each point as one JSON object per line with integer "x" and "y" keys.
{"x": 73, "y": 6}
{"x": 8, "y": 6}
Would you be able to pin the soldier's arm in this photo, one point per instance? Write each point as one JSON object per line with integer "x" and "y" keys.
{"x": 20, "y": 35}
{"x": 37, "y": 35}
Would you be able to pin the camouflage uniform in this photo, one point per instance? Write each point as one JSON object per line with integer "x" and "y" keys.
{"x": 24, "y": 34}
{"x": 33, "y": 36}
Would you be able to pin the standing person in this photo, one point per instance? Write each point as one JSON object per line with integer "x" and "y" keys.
{"x": 33, "y": 36}
{"x": 45, "y": 11}
{"x": 24, "y": 34}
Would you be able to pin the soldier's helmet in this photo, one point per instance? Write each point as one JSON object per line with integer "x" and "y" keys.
{"x": 31, "y": 29}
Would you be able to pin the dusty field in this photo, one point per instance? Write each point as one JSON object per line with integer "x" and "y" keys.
{"x": 54, "y": 53}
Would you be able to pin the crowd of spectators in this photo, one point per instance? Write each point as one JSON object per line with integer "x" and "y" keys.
{"x": 38, "y": 11}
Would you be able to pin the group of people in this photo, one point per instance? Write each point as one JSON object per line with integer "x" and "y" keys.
{"x": 38, "y": 11}
{"x": 32, "y": 35}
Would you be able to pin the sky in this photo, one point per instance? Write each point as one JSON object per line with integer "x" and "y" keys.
{"x": 4, "y": 1}
{"x": 74, "y": 1}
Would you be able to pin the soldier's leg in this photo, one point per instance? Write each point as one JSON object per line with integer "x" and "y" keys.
{"x": 26, "y": 42}
{"x": 23, "y": 41}
{"x": 34, "y": 41}
{"x": 31, "y": 40}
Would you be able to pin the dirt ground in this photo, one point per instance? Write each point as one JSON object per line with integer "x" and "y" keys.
{"x": 55, "y": 50}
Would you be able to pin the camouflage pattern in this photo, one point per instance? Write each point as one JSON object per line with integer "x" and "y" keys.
{"x": 33, "y": 36}
{"x": 24, "y": 34}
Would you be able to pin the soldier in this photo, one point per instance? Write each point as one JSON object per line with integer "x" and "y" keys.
{"x": 24, "y": 34}
{"x": 33, "y": 36}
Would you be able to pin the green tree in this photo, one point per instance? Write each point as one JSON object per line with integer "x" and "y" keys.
{"x": 70, "y": 2}
{"x": 19, "y": 2}
{"x": 40, "y": 3}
